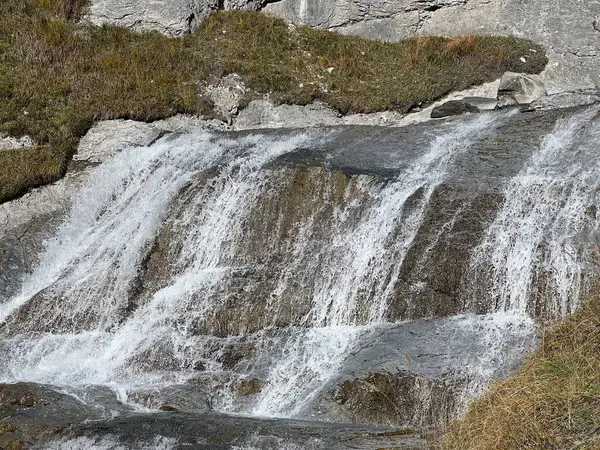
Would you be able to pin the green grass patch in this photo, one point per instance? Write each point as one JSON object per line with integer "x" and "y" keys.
{"x": 551, "y": 403}
{"x": 58, "y": 77}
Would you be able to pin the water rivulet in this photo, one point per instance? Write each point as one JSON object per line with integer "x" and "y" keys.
{"x": 379, "y": 276}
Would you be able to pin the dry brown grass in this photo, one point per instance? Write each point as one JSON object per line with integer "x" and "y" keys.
{"x": 551, "y": 403}
{"x": 58, "y": 77}
{"x": 461, "y": 44}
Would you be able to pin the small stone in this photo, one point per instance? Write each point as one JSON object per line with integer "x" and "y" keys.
{"x": 330, "y": 69}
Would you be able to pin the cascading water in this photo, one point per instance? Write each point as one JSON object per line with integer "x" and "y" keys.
{"x": 535, "y": 242}
{"x": 100, "y": 248}
{"x": 242, "y": 260}
{"x": 361, "y": 269}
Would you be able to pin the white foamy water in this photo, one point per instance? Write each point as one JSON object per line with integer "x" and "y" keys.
{"x": 88, "y": 268}
{"x": 536, "y": 244}
{"x": 361, "y": 264}
{"x": 493, "y": 331}
{"x": 84, "y": 325}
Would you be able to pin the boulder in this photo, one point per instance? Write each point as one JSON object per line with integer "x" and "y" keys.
{"x": 453, "y": 108}
{"x": 520, "y": 88}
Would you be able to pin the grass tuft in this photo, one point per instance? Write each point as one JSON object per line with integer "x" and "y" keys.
{"x": 551, "y": 403}
{"x": 58, "y": 77}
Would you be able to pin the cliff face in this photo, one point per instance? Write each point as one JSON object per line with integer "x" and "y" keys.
{"x": 173, "y": 17}
{"x": 568, "y": 29}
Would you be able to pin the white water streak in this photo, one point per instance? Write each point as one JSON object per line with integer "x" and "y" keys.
{"x": 116, "y": 215}
{"x": 360, "y": 264}
{"x": 540, "y": 227}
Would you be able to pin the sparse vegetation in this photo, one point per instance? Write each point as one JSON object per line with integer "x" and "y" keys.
{"x": 551, "y": 403}
{"x": 58, "y": 77}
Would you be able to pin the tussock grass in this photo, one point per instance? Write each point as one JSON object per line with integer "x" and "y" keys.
{"x": 58, "y": 77}
{"x": 552, "y": 402}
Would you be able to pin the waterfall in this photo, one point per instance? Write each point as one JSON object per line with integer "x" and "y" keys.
{"x": 535, "y": 241}
{"x": 88, "y": 267}
{"x": 364, "y": 260}
{"x": 247, "y": 258}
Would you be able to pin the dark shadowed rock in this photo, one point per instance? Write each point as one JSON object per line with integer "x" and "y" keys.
{"x": 395, "y": 399}
{"x": 483, "y": 103}
{"x": 453, "y": 108}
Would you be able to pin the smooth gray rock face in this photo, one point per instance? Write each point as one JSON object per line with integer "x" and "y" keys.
{"x": 172, "y": 17}
{"x": 108, "y": 137}
{"x": 520, "y": 89}
{"x": 483, "y": 103}
{"x": 380, "y": 19}
{"x": 565, "y": 28}
{"x": 263, "y": 114}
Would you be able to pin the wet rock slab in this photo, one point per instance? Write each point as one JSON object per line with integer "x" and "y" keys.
{"x": 43, "y": 417}
{"x": 221, "y": 432}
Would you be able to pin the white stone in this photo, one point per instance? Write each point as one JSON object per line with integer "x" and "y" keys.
{"x": 226, "y": 94}
{"x": 13, "y": 143}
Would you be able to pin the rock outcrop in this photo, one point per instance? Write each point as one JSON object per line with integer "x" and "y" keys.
{"x": 40, "y": 416}
{"x": 174, "y": 17}
{"x": 567, "y": 29}
{"x": 415, "y": 368}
